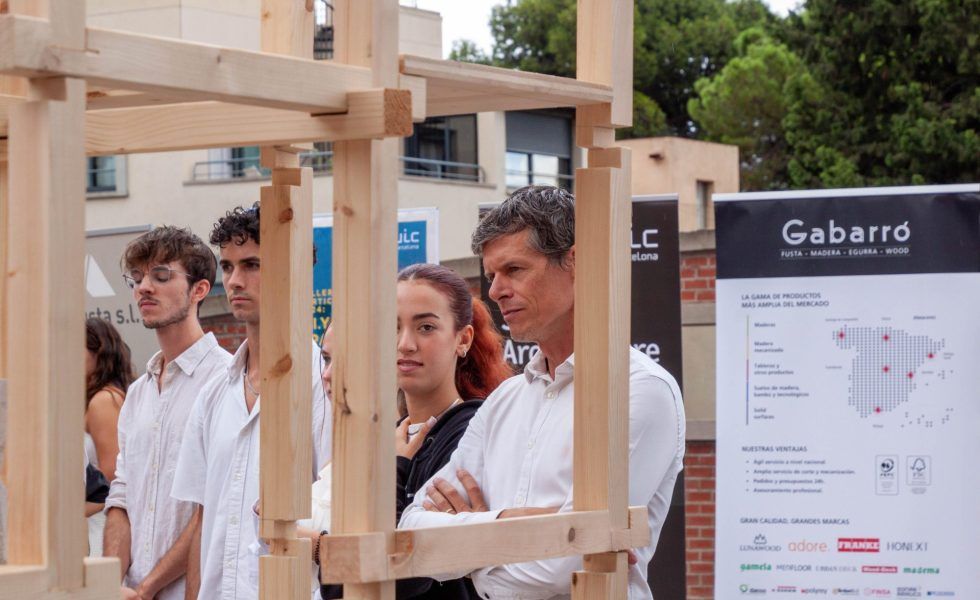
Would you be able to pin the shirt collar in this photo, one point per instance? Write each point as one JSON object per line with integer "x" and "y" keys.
{"x": 238, "y": 362}
{"x": 188, "y": 360}
{"x": 537, "y": 368}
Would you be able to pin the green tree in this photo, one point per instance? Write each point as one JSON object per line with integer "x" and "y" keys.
{"x": 468, "y": 51}
{"x": 745, "y": 103}
{"x": 676, "y": 42}
{"x": 894, "y": 97}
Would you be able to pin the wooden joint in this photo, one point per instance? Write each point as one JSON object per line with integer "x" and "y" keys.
{"x": 418, "y": 88}
{"x": 276, "y": 528}
{"x": 365, "y": 558}
{"x": 616, "y": 157}
{"x": 594, "y": 127}
{"x": 353, "y": 558}
{"x": 398, "y": 113}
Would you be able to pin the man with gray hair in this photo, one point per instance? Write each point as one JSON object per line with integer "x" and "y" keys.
{"x": 515, "y": 458}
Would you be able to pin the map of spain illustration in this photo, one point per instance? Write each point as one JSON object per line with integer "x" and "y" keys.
{"x": 887, "y": 367}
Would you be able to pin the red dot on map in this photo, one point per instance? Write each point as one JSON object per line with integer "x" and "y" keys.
{"x": 885, "y": 368}
{"x": 931, "y": 355}
{"x": 885, "y": 337}
{"x": 910, "y": 374}
{"x": 877, "y": 409}
{"x": 841, "y": 335}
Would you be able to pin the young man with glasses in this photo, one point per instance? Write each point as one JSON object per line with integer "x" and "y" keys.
{"x": 170, "y": 271}
{"x": 219, "y": 458}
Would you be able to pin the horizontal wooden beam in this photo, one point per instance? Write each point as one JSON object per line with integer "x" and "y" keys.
{"x": 373, "y": 114}
{"x": 35, "y": 582}
{"x": 185, "y": 70}
{"x": 361, "y": 558}
{"x": 459, "y": 88}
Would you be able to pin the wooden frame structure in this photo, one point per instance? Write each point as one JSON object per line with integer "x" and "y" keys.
{"x": 68, "y": 90}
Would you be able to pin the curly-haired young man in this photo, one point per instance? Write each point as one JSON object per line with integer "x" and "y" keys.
{"x": 218, "y": 467}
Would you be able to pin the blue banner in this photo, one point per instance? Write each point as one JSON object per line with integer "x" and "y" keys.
{"x": 417, "y": 243}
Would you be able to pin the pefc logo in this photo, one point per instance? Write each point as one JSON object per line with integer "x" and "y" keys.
{"x": 795, "y": 233}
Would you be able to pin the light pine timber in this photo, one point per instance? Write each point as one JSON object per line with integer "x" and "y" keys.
{"x": 285, "y": 435}
{"x": 287, "y": 251}
{"x": 365, "y": 265}
{"x": 423, "y": 552}
{"x": 10, "y": 84}
{"x": 373, "y": 114}
{"x": 187, "y": 70}
{"x": 458, "y": 88}
{"x": 4, "y": 241}
{"x": 34, "y": 582}
{"x": 46, "y": 287}
{"x": 592, "y": 126}
{"x": 604, "y": 52}
{"x": 601, "y": 446}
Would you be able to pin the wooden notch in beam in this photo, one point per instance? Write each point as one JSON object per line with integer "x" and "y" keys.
{"x": 373, "y": 114}
{"x": 185, "y": 70}
{"x": 422, "y": 552}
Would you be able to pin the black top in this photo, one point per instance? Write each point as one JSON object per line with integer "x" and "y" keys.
{"x": 413, "y": 473}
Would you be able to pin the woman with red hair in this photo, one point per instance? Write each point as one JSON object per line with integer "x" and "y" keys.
{"x": 450, "y": 357}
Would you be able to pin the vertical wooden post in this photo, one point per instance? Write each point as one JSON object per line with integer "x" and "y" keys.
{"x": 285, "y": 438}
{"x": 11, "y": 84}
{"x": 602, "y": 282}
{"x": 604, "y": 52}
{"x": 364, "y": 267}
{"x": 4, "y": 242}
{"x": 286, "y": 250}
{"x": 46, "y": 330}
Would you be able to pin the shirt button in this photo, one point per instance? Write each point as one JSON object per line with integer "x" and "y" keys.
{"x": 233, "y": 520}
{"x": 551, "y": 395}
{"x": 229, "y": 563}
{"x": 530, "y": 444}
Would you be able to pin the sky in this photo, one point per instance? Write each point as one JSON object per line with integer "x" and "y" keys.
{"x": 468, "y": 18}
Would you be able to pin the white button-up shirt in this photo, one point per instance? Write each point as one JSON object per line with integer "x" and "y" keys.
{"x": 219, "y": 469}
{"x": 518, "y": 447}
{"x": 151, "y": 426}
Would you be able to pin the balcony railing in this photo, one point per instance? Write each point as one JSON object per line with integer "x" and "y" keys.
{"x": 247, "y": 168}
{"x": 530, "y": 177}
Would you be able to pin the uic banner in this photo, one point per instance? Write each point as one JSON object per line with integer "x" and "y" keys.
{"x": 848, "y": 342}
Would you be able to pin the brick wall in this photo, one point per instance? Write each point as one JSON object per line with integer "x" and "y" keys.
{"x": 698, "y": 276}
{"x": 698, "y": 266}
{"x": 699, "y": 506}
{"x": 229, "y": 331}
